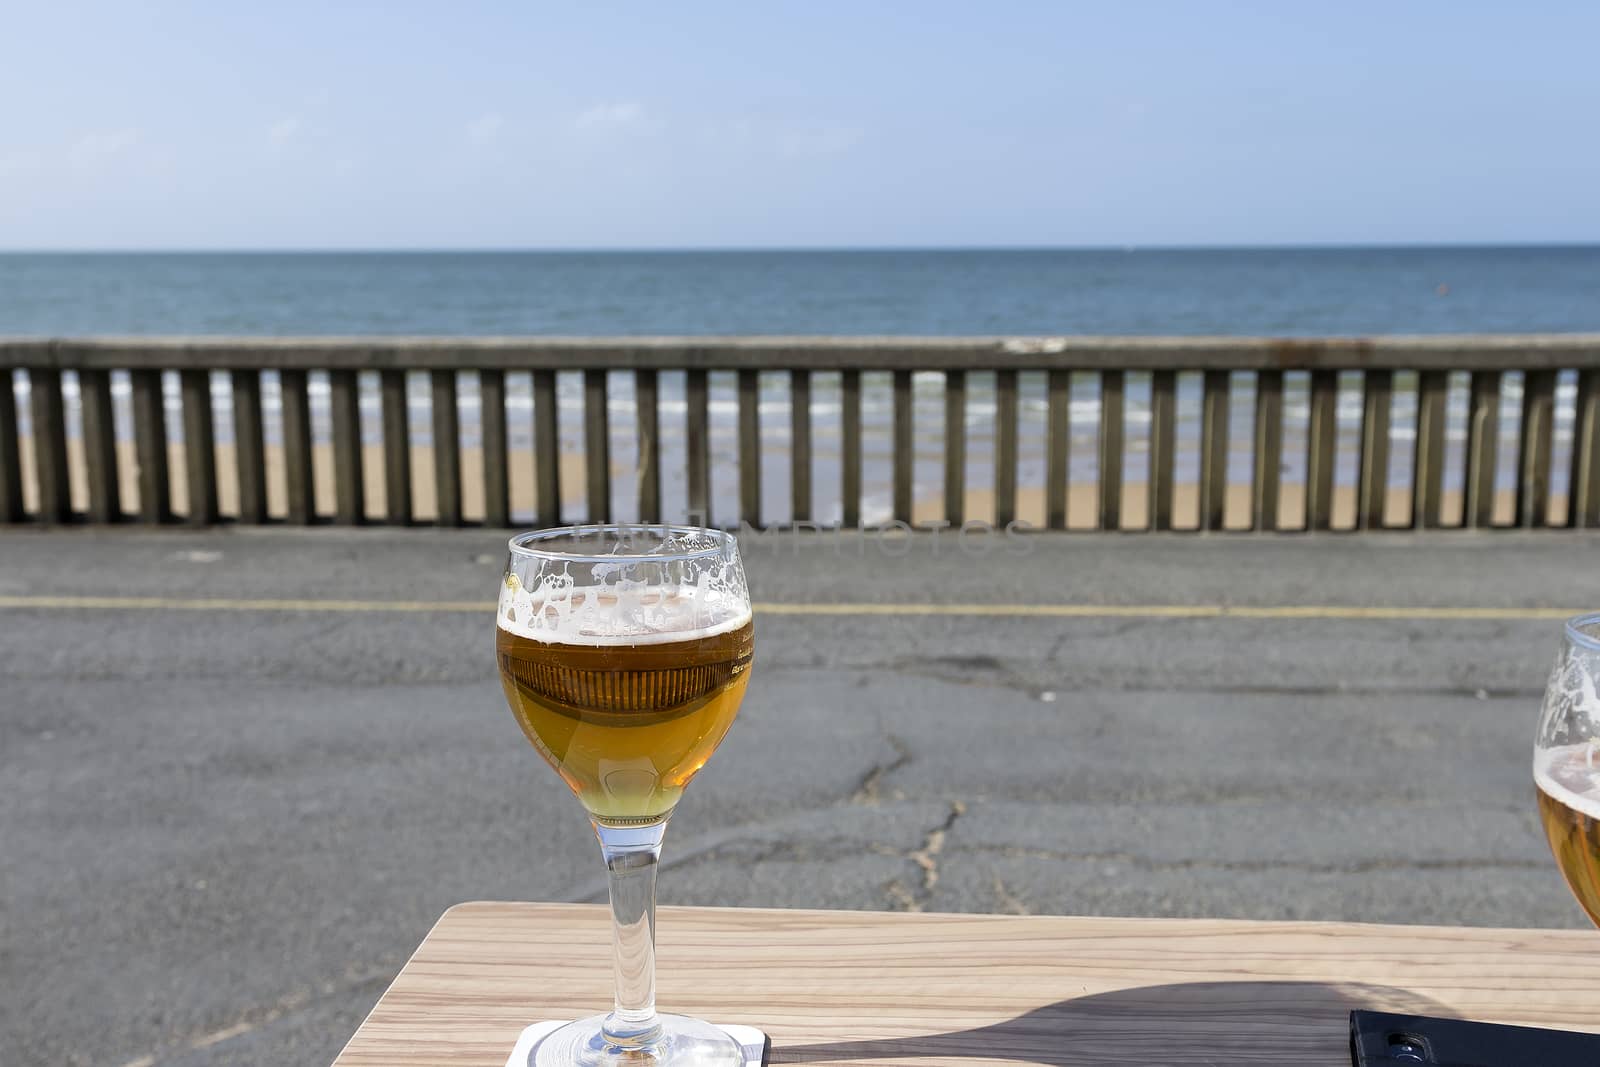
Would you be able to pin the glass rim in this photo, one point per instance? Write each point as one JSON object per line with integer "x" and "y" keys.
{"x": 523, "y": 544}
{"x": 1578, "y": 636}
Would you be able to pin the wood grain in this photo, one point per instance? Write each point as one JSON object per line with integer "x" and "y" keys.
{"x": 853, "y": 987}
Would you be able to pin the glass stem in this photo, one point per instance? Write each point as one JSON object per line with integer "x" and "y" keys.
{"x": 632, "y": 855}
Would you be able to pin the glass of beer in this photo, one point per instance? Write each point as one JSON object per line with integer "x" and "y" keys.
{"x": 624, "y": 652}
{"x": 1566, "y": 761}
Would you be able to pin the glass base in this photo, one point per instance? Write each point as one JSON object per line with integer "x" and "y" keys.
{"x": 682, "y": 1042}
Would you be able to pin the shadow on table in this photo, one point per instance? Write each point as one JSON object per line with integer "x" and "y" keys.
{"x": 1183, "y": 1023}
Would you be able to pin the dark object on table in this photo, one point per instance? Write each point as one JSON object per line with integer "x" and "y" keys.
{"x": 1378, "y": 1039}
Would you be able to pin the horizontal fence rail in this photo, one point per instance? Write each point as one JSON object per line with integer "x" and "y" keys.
{"x": 1165, "y": 433}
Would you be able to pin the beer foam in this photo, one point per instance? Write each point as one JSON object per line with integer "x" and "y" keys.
{"x": 559, "y": 612}
{"x": 1570, "y": 774}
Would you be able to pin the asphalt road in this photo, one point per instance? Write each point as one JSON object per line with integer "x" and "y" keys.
{"x": 222, "y": 831}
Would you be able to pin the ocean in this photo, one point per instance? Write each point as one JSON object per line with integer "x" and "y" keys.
{"x": 1282, "y": 292}
{"x": 1279, "y": 292}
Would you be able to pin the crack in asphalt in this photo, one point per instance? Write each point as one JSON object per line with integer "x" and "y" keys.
{"x": 1010, "y": 903}
{"x": 867, "y": 791}
{"x": 926, "y": 859}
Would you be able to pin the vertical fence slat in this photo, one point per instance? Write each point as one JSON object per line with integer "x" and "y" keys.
{"x": 646, "y": 402}
{"x": 446, "y": 448}
{"x": 1058, "y": 438}
{"x": 249, "y": 446}
{"x": 904, "y": 446}
{"x": 199, "y": 445}
{"x": 850, "y": 441}
{"x": 10, "y": 452}
{"x": 1111, "y": 417}
{"x": 955, "y": 447}
{"x": 50, "y": 445}
{"x": 698, "y": 445}
{"x": 546, "y": 448}
{"x": 1267, "y": 476}
{"x": 1214, "y": 450}
{"x": 1372, "y": 492}
{"x": 1483, "y": 447}
{"x": 750, "y": 447}
{"x": 1322, "y": 439}
{"x": 302, "y": 507}
{"x": 1005, "y": 447}
{"x": 99, "y": 445}
{"x": 496, "y": 473}
{"x": 1163, "y": 427}
{"x": 1583, "y": 508}
{"x": 1427, "y": 466}
{"x": 349, "y": 488}
{"x": 150, "y": 446}
{"x": 800, "y": 445}
{"x": 396, "y": 447}
{"x": 597, "y": 445}
{"x": 1534, "y": 453}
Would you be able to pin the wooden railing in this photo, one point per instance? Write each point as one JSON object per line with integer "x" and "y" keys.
{"x": 87, "y": 461}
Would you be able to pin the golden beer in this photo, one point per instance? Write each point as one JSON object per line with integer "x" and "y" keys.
{"x": 1568, "y": 780}
{"x": 628, "y": 718}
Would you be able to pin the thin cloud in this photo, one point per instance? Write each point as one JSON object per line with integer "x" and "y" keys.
{"x": 101, "y": 145}
{"x": 484, "y": 128}
{"x": 818, "y": 139}
{"x": 617, "y": 113}
{"x": 19, "y": 162}
{"x": 283, "y": 131}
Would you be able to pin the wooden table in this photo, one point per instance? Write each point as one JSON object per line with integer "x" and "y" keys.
{"x": 854, "y": 987}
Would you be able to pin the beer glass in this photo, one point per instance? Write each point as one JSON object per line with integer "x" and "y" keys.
{"x": 1566, "y": 761}
{"x": 624, "y": 651}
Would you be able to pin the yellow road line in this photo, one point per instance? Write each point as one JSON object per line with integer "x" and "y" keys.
{"x": 1176, "y": 611}
{"x": 167, "y": 603}
{"x": 1047, "y": 611}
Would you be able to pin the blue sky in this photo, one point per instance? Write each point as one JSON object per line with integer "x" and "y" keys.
{"x": 522, "y": 125}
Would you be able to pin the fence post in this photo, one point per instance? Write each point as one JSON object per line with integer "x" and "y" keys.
{"x": 750, "y": 448}
{"x": 955, "y": 447}
{"x": 11, "y": 509}
{"x": 396, "y": 446}
{"x": 1163, "y": 424}
{"x": 1583, "y": 494}
{"x": 1533, "y": 455}
{"x": 297, "y": 447}
{"x": 446, "y": 448}
{"x": 50, "y": 445}
{"x": 249, "y": 446}
{"x": 800, "y": 445}
{"x": 150, "y": 445}
{"x": 1483, "y": 447}
{"x": 496, "y": 473}
{"x": 1214, "y": 450}
{"x": 1058, "y": 447}
{"x": 1427, "y": 467}
{"x": 99, "y": 445}
{"x": 850, "y": 427}
{"x": 199, "y": 446}
{"x": 1372, "y": 492}
{"x": 1111, "y": 417}
{"x": 546, "y": 448}
{"x": 1322, "y": 440}
{"x": 698, "y": 445}
{"x": 904, "y": 447}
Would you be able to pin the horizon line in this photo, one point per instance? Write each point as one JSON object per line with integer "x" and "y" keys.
{"x": 1329, "y": 246}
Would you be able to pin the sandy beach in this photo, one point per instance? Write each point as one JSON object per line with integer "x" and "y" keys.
{"x": 928, "y": 507}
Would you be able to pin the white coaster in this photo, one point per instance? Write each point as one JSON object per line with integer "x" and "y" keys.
{"x": 751, "y": 1040}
